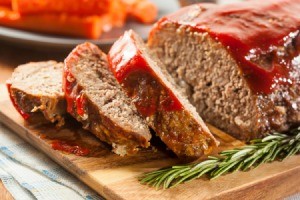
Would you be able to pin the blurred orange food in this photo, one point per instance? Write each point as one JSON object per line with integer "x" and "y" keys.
{"x": 117, "y": 13}
{"x": 141, "y": 10}
{"x": 5, "y": 2}
{"x": 76, "y": 7}
{"x": 80, "y": 18}
{"x": 87, "y": 27}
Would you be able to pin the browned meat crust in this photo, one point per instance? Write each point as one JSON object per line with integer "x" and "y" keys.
{"x": 95, "y": 99}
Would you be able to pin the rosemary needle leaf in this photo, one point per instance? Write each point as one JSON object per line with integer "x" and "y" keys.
{"x": 222, "y": 170}
{"x": 273, "y": 147}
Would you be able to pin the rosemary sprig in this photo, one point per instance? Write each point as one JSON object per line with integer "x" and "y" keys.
{"x": 273, "y": 147}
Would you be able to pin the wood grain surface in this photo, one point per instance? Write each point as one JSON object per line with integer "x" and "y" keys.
{"x": 4, "y": 194}
{"x": 115, "y": 177}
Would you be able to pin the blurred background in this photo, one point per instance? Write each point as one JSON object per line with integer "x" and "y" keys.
{"x": 31, "y": 30}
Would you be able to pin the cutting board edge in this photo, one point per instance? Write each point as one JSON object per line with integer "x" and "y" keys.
{"x": 106, "y": 190}
{"x": 84, "y": 177}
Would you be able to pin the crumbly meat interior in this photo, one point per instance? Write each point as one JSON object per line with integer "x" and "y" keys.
{"x": 215, "y": 84}
{"x": 160, "y": 69}
{"x": 183, "y": 131}
{"x": 99, "y": 84}
{"x": 40, "y": 78}
{"x": 37, "y": 87}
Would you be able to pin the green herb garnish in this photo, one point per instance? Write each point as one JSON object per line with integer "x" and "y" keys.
{"x": 273, "y": 147}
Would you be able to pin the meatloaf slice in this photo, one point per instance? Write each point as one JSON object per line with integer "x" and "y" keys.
{"x": 95, "y": 99}
{"x": 152, "y": 91}
{"x": 240, "y": 62}
{"x": 36, "y": 88}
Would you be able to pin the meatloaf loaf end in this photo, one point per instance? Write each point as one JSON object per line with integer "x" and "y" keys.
{"x": 95, "y": 99}
{"x": 240, "y": 62}
{"x": 152, "y": 91}
{"x": 36, "y": 88}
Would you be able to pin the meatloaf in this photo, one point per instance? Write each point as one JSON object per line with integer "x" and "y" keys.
{"x": 239, "y": 62}
{"x": 36, "y": 91}
{"x": 95, "y": 99}
{"x": 151, "y": 89}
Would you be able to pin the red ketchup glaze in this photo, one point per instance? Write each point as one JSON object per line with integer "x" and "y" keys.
{"x": 249, "y": 30}
{"x": 126, "y": 60}
{"x": 80, "y": 103}
{"x": 68, "y": 88}
{"x": 22, "y": 113}
{"x": 70, "y": 147}
{"x": 73, "y": 96}
{"x": 171, "y": 103}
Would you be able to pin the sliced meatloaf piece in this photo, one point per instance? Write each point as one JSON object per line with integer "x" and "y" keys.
{"x": 36, "y": 88}
{"x": 240, "y": 62}
{"x": 95, "y": 99}
{"x": 152, "y": 91}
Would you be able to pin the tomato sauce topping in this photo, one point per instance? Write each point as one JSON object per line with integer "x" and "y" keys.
{"x": 70, "y": 147}
{"x": 254, "y": 32}
{"x": 73, "y": 95}
{"x": 80, "y": 102}
{"x": 132, "y": 70}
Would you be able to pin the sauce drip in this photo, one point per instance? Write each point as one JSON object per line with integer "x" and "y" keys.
{"x": 22, "y": 113}
{"x": 70, "y": 147}
{"x": 80, "y": 102}
{"x": 132, "y": 71}
{"x": 68, "y": 85}
{"x": 251, "y": 31}
{"x": 73, "y": 95}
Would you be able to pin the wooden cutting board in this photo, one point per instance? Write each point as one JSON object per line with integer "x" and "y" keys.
{"x": 115, "y": 177}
